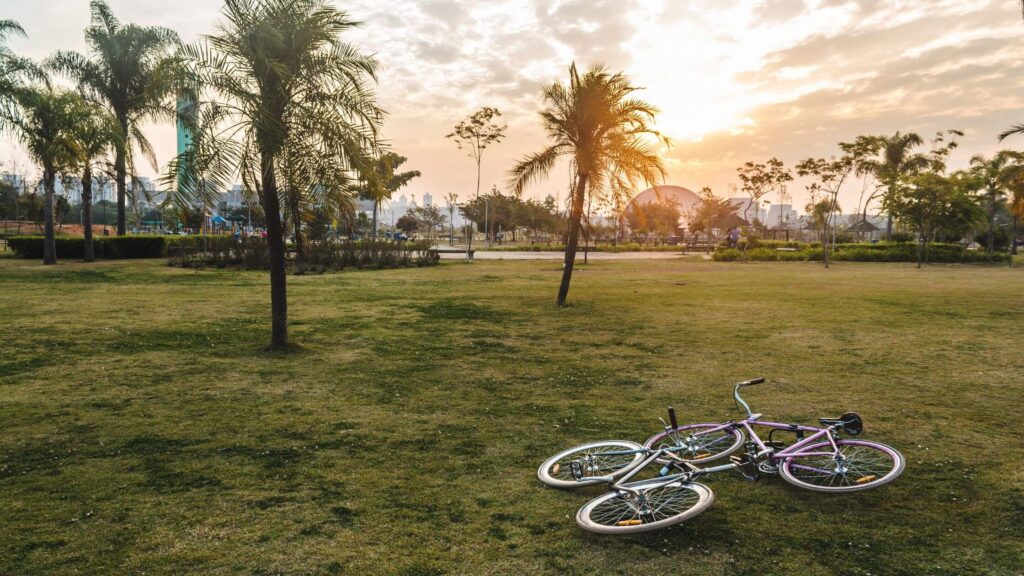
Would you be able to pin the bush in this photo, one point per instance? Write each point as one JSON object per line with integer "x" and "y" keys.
{"x": 726, "y": 255}
{"x": 105, "y": 247}
{"x": 251, "y": 254}
{"x": 763, "y": 254}
{"x": 859, "y": 252}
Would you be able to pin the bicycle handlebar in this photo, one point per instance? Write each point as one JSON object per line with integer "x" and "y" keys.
{"x": 736, "y": 393}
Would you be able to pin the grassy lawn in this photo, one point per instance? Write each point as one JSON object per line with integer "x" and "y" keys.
{"x": 145, "y": 431}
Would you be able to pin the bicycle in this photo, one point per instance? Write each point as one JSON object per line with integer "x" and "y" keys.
{"x": 818, "y": 460}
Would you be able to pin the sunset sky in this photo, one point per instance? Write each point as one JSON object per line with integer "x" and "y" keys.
{"x": 735, "y": 80}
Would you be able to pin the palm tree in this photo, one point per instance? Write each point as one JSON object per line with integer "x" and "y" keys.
{"x": 595, "y": 123}
{"x": 1016, "y": 206}
{"x": 43, "y": 123}
{"x": 385, "y": 181}
{"x": 898, "y": 162}
{"x": 96, "y": 133}
{"x": 295, "y": 99}
{"x": 132, "y": 69}
{"x": 14, "y": 72}
{"x": 996, "y": 176}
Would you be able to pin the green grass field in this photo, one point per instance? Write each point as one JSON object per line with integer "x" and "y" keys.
{"x": 146, "y": 432}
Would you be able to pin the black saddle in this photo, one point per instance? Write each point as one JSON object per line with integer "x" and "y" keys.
{"x": 851, "y": 423}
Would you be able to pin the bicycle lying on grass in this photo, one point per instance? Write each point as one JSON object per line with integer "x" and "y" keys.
{"x": 818, "y": 460}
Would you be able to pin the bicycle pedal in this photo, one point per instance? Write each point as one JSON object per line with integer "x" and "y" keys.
{"x": 555, "y": 469}
{"x": 745, "y": 467}
{"x": 866, "y": 479}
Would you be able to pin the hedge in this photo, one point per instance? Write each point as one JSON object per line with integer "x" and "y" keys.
{"x": 105, "y": 247}
{"x": 862, "y": 252}
{"x": 612, "y": 248}
{"x": 250, "y": 253}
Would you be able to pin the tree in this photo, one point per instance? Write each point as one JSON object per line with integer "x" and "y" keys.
{"x": 476, "y": 133}
{"x": 408, "y": 224}
{"x": 829, "y": 177}
{"x": 597, "y": 124}
{"x": 995, "y": 175}
{"x": 712, "y": 213}
{"x": 15, "y": 72}
{"x": 132, "y": 69}
{"x": 429, "y": 219}
{"x": 864, "y": 152}
{"x": 897, "y": 163}
{"x": 759, "y": 180}
{"x": 95, "y": 133}
{"x": 930, "y": 203}
{"x": 295, "y": 98}
{"x": 44, "y": 123}
{"x": 453, "y": 200}
{"x": 1016, "y": 206}
{"x": 658, "y": 218}
{"x": 385, "y": 181}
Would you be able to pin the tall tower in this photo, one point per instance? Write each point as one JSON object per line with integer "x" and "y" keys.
{"x": 186, "y": 119}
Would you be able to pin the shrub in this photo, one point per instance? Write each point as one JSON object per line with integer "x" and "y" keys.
{"x": 726, "y": 255}
{"x": 763, "y": 254}
{"x": 860, "y": 252}
{"x": 251, "y": 254}
{"x": 105, "y": 247}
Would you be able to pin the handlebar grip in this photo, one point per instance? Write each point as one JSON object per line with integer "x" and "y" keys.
{"x": 672, "y": 417}
{"x": 755, "y": 381}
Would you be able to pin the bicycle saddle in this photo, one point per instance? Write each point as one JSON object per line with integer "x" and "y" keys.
{"x": 851, "y": 422}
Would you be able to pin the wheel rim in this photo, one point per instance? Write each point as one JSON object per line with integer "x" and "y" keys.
{"x": 863, "y": 465}
{"x": 699, "y": 448}
{"x": 655, "y": 505}
{"x": 595, "y": 460}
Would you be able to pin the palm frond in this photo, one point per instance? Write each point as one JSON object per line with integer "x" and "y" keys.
{"x": 1015, "y": 130}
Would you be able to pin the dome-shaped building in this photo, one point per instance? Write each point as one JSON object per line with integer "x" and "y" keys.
{"x": 684, "y": 199}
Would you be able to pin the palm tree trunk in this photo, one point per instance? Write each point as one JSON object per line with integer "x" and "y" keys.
{"x": 49, "y": 239}
{"x": 990, "y": 241}
{"x": 88, "y": 253}
{"x": 1014, "y": 222}
{"x": 574, "y": 236}
{"x": 300, "y": 251}
{"x": 376, "y": 204}
{"x": 275, "y": 250}
{"x": 121, "y": 174}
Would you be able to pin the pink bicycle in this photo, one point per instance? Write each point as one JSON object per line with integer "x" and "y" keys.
{"x": 817, "y": 459}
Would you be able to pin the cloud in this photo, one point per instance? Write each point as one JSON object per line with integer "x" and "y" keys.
{"x": 737, "y": 80}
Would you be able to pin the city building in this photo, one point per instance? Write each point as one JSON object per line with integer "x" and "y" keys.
{"x": 748, "y": 210}
{"x": 782, "y": 217}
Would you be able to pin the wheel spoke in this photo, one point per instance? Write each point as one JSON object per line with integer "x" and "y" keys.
{"x": 859, "y": 465}
{"x": 662, "y": 502}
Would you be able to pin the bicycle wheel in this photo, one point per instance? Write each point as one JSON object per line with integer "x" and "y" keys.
{"x": 702, "y": 448}
{"x": 863, "y": 465}
{"x": 658, "y": 505}
{"x": 605, "y": 458}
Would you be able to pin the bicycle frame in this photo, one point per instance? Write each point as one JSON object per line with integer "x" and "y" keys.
{"x": 691, "y": 472}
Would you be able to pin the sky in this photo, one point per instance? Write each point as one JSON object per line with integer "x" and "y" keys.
{"x": 735, "y": 80}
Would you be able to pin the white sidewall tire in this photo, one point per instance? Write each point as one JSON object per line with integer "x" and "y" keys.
{"x": 706, "y": 499}
{"x": 546, "y": 478}
{"x": 900, "y": 464}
